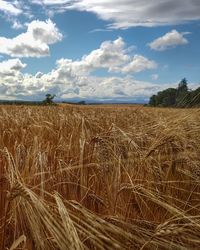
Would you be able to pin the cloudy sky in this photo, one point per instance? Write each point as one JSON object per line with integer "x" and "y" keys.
{"x": 99, "y": 50}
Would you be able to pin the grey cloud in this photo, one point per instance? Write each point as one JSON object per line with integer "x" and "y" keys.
{"x": 28, "y": 50}
{"x": 121, "y": 14}
{"x": 127, "y": 13}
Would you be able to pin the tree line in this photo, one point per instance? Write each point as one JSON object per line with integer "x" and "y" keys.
{"x": 181, "y": 97}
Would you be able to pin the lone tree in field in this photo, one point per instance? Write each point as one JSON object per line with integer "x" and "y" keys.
{"x": 49, "y": 99}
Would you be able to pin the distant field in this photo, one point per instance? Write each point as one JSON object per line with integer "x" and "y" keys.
{"x": 99, "y": 177}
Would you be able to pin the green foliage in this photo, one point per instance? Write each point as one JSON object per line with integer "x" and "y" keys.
{"x": 49, "y": 99}
{"x": 182, "y": 87}
{"x": 81, "y": 103}
{"x": 153, "y": 100}
{"x": 177, "y": 97}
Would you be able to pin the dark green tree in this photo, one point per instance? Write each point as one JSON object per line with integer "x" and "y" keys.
{"x": 153, "y": 101}
{"x": 164, "y": 98}
{"x": 195, "y": 98}
{"x": 81, "y": 103}
{"x": 182, "y": 98}
{"x": 183, "y": 86}
{"x": 49, "y": 99}
{"x": 169, "y": 97}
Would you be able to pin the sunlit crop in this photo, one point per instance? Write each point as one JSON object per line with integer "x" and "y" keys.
{"x": 99, "y": 177}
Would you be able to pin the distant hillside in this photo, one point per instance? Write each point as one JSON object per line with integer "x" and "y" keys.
{"x": 19, "y": 102}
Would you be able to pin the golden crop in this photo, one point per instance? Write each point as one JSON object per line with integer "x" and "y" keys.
{"x": 99, "y": 177}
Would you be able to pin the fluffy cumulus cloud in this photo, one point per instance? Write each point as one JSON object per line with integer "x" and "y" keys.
{"x": 130, "y": 13}
{"x": 10, "y": 8}
{"x": 75, "y": 78}
{"x": 23, "y": 86}
{"x": 112, "y": 56}
{"x": 67, "y": 85}
{"x": 139, "y": 63}
{"x": 11, "y": 77}
{"x": 34, "y": 42}
{"x": 11, "y": 67}
{"x": 169, "y": 40}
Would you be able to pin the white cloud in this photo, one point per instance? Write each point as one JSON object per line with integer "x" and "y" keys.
{"x": 34, "y": 42}
{"x": 11, "y": 67}
{"x": 74, "y": 79}
{"x": 17, "y": 25}
{"x": 39, "y": 75}
{"x": 112, "y": 56}
{"x": 169, "y": 40}
{"x": 52, "y": 7}
{"x": 17, "y": 85}
{"x": 139, "y": 63}
{"x": 27, "y": 86}
{"x": 121, "y": 14}
{"x": 10, "y": 8}
{"x": 54, "y": 2}
{"x": 130, "y": 13}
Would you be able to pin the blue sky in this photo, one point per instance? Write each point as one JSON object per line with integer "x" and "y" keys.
{"x": 113, "y": 50}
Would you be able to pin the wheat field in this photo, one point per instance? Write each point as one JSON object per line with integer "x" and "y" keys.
{"x": 99, "y": 177}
